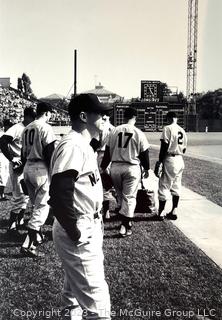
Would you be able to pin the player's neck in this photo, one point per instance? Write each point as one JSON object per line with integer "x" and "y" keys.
{"x": 131, "y": 122}
{"x": 77, "y": 127}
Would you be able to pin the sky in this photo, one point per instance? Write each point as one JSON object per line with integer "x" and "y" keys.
{"x": 118, "y": 43}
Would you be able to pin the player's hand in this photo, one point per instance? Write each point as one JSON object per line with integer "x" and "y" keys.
{"x": 16, "y": 163}
{"x": 158, "y": 169}
{"x": 74, "y": 233}
{"x": 145, "y": 174}
{"x": 17, "y": 166}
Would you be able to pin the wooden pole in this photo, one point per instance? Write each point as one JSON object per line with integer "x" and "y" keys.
{"x": 75, "y": 72}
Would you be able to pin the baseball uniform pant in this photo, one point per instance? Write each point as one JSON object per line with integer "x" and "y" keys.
{"x": 126, "y": 179}
{"x": 37, "y": 182}
{"x": 85, "y": 289}
{"x": 4, "y": 170}
{"x": 19, "y": 200}
{"x": 170, "y": 180}
{"x": 107, "y": 195}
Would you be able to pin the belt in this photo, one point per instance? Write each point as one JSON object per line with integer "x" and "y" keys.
{"x": 96, "y": 215}
{"x": 173, "y": 155}
{"x": 35, "y": 160}
{"x": 126, "y": 162}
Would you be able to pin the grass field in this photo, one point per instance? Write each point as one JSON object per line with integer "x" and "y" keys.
{"x": 156, "y": 274}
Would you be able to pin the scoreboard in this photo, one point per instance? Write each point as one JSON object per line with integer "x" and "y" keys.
{"x": 151, "y": 91}
{"x": 150, "y": 116}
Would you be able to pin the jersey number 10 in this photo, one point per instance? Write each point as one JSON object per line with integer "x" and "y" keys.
{"x": 29, "y": 137}
{"x": 124, "y": 139}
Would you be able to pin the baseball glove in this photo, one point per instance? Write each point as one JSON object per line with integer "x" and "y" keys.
{"x": 158, "y": 169}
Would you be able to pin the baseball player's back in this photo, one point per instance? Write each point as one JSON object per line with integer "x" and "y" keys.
{"x": 38, "y": 142}
{"x": 173, "y": 146}
{"x": 175, "y": 136}
{"x": 36, "y": 136}
{"x": 127, "y": 149}
{"x": 126, "y": 143}
{"x": 11, "y": 144}
{"x": 16, "y": 133}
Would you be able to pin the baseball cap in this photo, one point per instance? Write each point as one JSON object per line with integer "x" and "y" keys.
{"x": 130, "y": 112}
{"x": 43, "y": 107}
{"x": 171, "y": 115}
{"x": 87, "y": 102}
{"x": 30, "y": 112}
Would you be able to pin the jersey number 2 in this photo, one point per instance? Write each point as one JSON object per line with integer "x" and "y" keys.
{"x": 124, "y": 139}
{"x": 180, "y": 138}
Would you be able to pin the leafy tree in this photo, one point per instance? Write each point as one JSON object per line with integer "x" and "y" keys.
{"x": 209, "y": 105}
{"x": 20, "y": 85}
{"x": 26, "y": 84}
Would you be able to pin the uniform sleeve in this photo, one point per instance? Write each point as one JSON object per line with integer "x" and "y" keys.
{"x": 48, "y": 136}
{"x": 67, "y": 157}
{"x": 106, "y": 159}
{"x": 144, "y": 145}
{"x": 11, "y": 132}
{"x": 165, "y": 135}
{"x": 5, "y": 140}
{"x": 61, "y": 200}
{"x": 65, "y": 167}
{"x": 144, "y": 159}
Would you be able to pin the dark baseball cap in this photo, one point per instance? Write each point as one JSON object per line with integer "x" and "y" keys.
{"x": 171, "y": 115}
{"x": 130, "y": 112}
{"x": 88, "y": 102}
{"x": 43, "y": 107}
{"x": 29, "y": 112}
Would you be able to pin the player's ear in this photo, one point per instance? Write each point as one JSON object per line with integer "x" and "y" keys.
{"x": 83, "y": 116}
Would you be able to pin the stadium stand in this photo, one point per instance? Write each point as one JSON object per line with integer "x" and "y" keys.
{"x": 13, "y": 102}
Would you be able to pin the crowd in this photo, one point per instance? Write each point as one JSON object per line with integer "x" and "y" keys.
{"x": 13, "y": 103}
{"x": 69, "y": 177}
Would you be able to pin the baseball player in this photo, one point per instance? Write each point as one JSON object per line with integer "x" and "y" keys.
{"x": 38, "y": 141}
{"x": 106, "y": 180}
{"x": 127, "y": 149}
{"x": 76, "y": 198}
{"x": 173, "y": 146}
{"x": 10, "y": 144}
{"x": 4, "y": 172}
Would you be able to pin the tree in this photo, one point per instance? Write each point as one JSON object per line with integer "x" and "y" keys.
{"x": 20, "y": 85}
{"x": 209, "y": 105}
{"x": 26, "y": 84}
{"x": 165, "y": 89}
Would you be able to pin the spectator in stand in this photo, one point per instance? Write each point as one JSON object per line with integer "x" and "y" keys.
{"x": 10, "y": 145}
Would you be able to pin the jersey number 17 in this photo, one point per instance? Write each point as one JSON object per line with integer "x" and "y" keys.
{"x": 124, "y": 139}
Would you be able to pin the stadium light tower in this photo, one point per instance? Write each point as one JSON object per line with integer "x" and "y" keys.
{"x": 192, "y": 55}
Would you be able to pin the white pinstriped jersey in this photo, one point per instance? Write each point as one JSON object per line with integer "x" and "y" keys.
{"x": 16, "y": 133}
{"x": 176, "y": 137}
{"x": 36, "y": 136}
{"x": 126, "y": 142}
{"x": 74, "y": 153}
